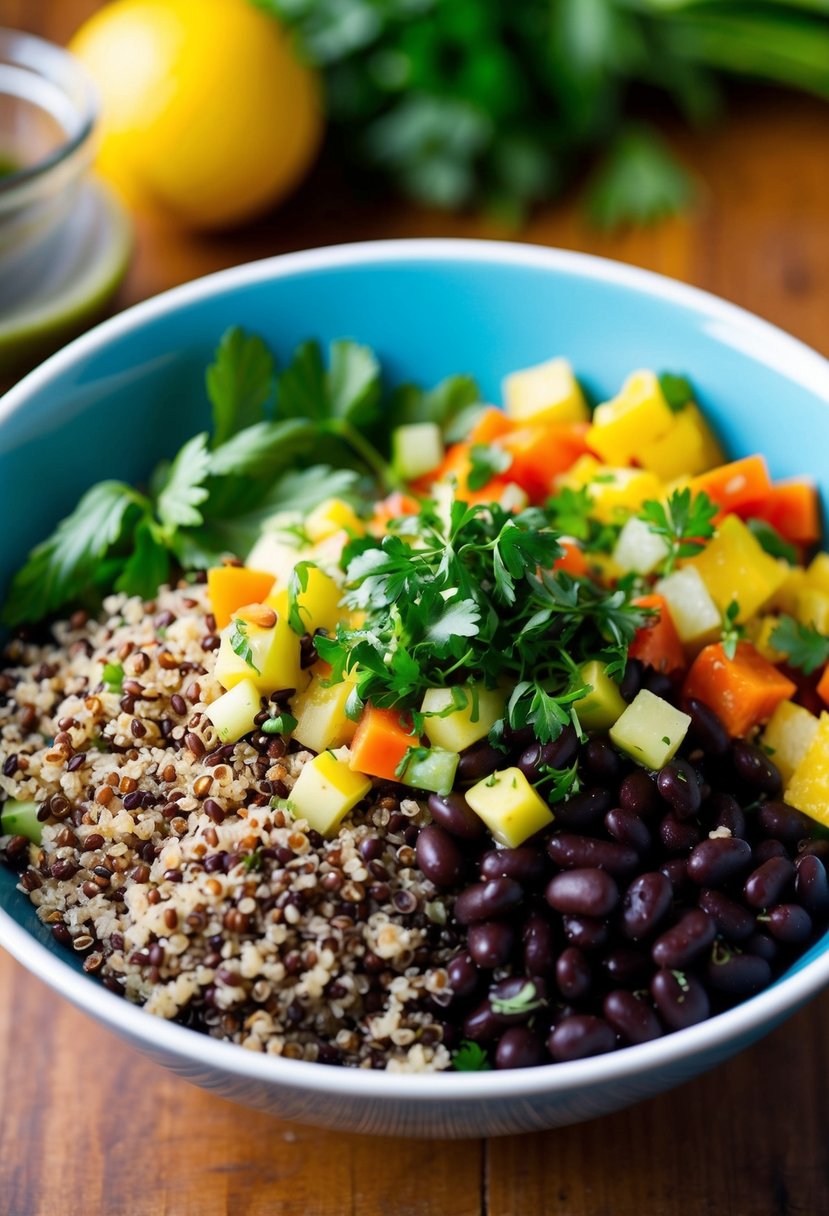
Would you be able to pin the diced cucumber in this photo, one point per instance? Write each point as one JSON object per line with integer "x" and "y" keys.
{"x": 233, "y": 713}
{"x": 20, "y": 819}
{"x": 650, "y": 730}
{"x": 433, "y": 770}
{"x": 416, "y": 449}
{"x": 638, "y": 549}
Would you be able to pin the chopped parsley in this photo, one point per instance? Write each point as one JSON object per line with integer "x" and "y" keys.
{"x": 470, "y": 1057}
{"x": 771, "y": 540}
{"x": 487, "y": 461}
{"x": 240, "y": 644}
{"x": 732, "y": 633}
{"x": 803, "y": 645}
{"x": 676, "y": 390}
{"x": 685, "y": 522}
{"x": 280, "y": 724}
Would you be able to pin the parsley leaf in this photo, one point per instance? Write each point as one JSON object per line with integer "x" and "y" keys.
{"x": 459, "y": 619}
{"x": 182, "y": 489}
{"x": 240, "y": 644}
{"x": 685, "y": 522}
{"x": 470, "y": 1057}
{"x": 148, "y": 566}
{"x": 264, "y": 449}
{"x": 280, "y": 724}
{"x": 731, "y": 631}
{"x": 803, "y": 645}
{"x": 349, "y": 390}
{"x": 639, "y": 182}
{"x": 239, "y": 383}
{"x": 771, "y": 540}
{"x": 676, "y": 390}
{"x": 486, "y": 461}
{"x": 449, "y": 405}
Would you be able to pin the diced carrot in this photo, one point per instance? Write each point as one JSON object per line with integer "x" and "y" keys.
{"x": 740, "y": 486}
{"x": 573, "y": 562}
{"x": 380, "y": 743}
{"x": 743, "y": 691}
{"x": 657, "y": 643}
{"x": 793, "y": 508}
{"x": 232, "y": 587}
{"x": 542, "y": 453}
{"x": 392, "y": 507}
{"x": 490, "y": 424}
{"x": 456, "y": 463}
{"x": 823, "y": 685}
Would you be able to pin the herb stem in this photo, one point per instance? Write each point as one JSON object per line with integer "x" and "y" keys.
{"x": 366, "y": 451}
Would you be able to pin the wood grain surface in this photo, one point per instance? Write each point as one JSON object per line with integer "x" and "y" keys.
{"x": 87, "y": 1126}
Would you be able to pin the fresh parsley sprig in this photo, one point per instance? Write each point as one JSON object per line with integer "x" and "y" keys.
{"x": 732, "y": 632}
{"x": 803, "y": 645}
{"x": 685, "y": 522}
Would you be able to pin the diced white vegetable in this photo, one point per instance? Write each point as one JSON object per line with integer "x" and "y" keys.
{"x": 638, "y": 549}
{"x": 321, "y": 718}
{"x": 416, "y": 449}
{"x": 788, "y": 736}
{"x": 650, "y": 730}
{"x": 693, "y": 611}
{"x": 233, "y": 712}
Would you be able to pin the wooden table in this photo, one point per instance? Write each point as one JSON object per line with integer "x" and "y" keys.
{"x": 87, "y": 1126}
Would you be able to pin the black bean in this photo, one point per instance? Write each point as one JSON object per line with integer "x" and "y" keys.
{"x": 727, "y": 813}
{"x": 627, "y": 828}
{"x": 573, "y": 974}
{"x": 585, "y": 852}
{"x": 579, "y": 1036}
{"x": 602, "y": 764}
{"x": 681, "y": 999}
{"x": 814, "y": 848}
{"x": 524, "y": 864}
{"x": 464, "y": 976}
{"x": 764, "y": 850}
{"x": 631, "y": 681}
{"x": 586, "y": 932}
{"x": 539, "y": 946}
{"x": 783, "y": 822}
{"x": 732, "y": 920}
{"x": 478, "y": 761}
{"x": 540, "y": 756}
{"x": 685, "y": 941}
{"x": 626, "y": 967}
{"x": 454, "y": 814}
{"x": 485, "y": 900}
{"x": 676, "y": 836}
{"x": 481, "y": 1025}
{"x": 706, "y": 729}
{"x": 519, "y": 1047}
{"x": 490, "y": 943}
{"x": 658, "y": 683}
{"x": 584, "y": 892}
{"x": 439, "y": 856}
{"x": 678, "y": 785}
{"x": 811, "y": 885}
{"x": 737, "y": 974}
{"x": 585, "y": 809}
{"x": 632, "y": 1018}
{"x": 713, "y": 862}
{"x": 517, "y": 998}
{"x": 646, "y": 901}
{"x": 755, "y": 768}
{"x": 762, "y": 945}
{"x": 766, "y": 884}
{"x": 638, "y": 794}
{"x": 790, "y": 923}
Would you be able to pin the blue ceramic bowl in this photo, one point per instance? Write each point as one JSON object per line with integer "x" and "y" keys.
{"x": 130, "y": 391}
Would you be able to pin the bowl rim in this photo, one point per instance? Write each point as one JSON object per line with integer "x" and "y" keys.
{"x": 40, "y": 56}
{"x": 764, "y": 342}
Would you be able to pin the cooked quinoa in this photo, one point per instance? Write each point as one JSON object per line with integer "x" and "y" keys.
{"x": 171, "y": 863}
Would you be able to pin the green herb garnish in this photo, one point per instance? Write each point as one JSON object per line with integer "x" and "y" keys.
{"x": 771, "y": 540}
{"x": 685, "y": 522}
{"x": 280, "y": 724}
{"x": 803, "y": 645}
{"x": 113, "y": 676}
{"x": 240, "y": 644}
{"x": 525, "y": 1001}
{"x": 470, "y": 1057}
{"x": 676, "y": 390}
{"x": 487, "y": 460}
{"x": 731, "y": 633}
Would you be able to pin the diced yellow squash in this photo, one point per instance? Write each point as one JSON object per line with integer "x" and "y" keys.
{"x": 788, "y": 736}
{"x": 693, "y": 611}
{"x": 650, "y": 730}
{"x": 687, "y": 449}
{"x": 331, "y": 516}
{"x": 234, "y": 711}
{"x": 319, "y": 604}
{"x": 581, "y": 472}
{"x": 734, "y": 566}
{"x": 639, "y": 414}
{"x": 326, "y": 790}
{"x": 612, "y": 490}
{"x": 321, "y": 720}
{"x": 274, "y": 660}
{"x": 812, "y": 608}
{"x": 639, "y": 550}
{"x": 509, "y": 806}
{"x": 817, "y": 572}
{"x": 808, "y": 789}
{"x": 795, "y": 580}
{"x": 461, "y": 728}
{"x": 548, "y": 392}
{"x": 603, "y": 704}
{"x": 758, "y": 631}
{"x": 278, "y": 552}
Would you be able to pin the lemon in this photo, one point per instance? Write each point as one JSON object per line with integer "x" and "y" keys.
{"x": 205, "y": 108}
